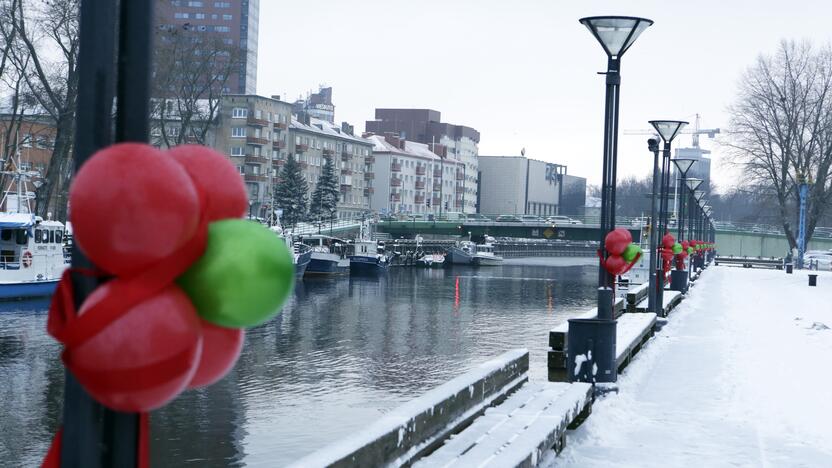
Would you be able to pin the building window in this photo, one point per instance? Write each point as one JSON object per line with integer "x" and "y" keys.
{"x": 222, "y": 29}
{"x": 238, "y": 132}
{"x": 237, "y": 151}
{"x": 222, "y": 4}
{"x": 181, "y": 15}
{"x": 226, "y": 17}
{"x": 199, "y": 16}
{"x": 239, "y": 113}
{"x": 195, "y": 4}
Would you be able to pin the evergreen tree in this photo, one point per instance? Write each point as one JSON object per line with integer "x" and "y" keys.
{"x": 291, "y": 193}
{"x": 326, "y": 194}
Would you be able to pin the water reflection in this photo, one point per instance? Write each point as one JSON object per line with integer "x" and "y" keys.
{"x": 344, "y": 351}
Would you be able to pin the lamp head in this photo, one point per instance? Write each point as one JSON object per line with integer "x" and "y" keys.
{"x": 616, "y": 33}
{"x": 668, "y": 129}
{"x": 683, "y": 164}
{"x": 693, "y": 183}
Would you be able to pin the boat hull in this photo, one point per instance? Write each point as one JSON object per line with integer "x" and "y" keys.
{"x": 458, "y": 257}
{"x": 428, "y": 262}
{"x": 29, "y": 289}
{"x": 486, "y": 261}
{"x": 367, "y": 265}
{"x": 318, "y": 266}
{"x": 302, "y": 263}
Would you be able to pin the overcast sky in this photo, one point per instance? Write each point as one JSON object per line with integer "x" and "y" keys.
{"x": 523, "y": 72}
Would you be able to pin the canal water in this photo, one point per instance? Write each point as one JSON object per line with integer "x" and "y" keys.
{"x": 343, "y": 352}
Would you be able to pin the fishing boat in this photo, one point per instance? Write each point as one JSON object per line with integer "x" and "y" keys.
{"x": 326, "y": 255}
{"x": 469, "y": 253}
{"x": 368, "y": 256}
{"x": 32, "y": 256}
{"x": 301, "y": 253}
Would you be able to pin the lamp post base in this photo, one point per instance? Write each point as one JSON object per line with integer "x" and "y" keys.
{"x": 679, "y": 281}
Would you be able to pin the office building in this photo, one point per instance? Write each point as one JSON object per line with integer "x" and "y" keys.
{"x": 317, "y": 105}
{"x": 519, "y": 185}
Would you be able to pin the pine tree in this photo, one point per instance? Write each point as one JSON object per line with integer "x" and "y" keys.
{"x": 291, "y": 194}
{"x": 326, "y": 194}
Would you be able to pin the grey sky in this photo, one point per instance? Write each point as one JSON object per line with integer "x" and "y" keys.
{"x": 523, "y": 72}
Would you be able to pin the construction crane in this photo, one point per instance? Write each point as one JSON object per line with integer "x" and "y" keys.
{"x": 711, "y": 132}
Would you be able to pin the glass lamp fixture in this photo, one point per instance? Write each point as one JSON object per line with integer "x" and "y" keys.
{"x": 668, "y": 129}
{"x": 616, "y": 33}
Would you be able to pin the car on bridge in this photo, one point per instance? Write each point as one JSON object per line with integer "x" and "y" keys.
{"x": 532, "y": 219}
{"x": 508, "y": 219}
{"x": 562, "y": 220}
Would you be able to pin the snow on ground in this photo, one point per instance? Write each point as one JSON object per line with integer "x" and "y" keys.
{"x": 740, "y": 376}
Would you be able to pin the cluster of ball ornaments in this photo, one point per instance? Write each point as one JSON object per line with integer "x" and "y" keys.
{"x": 622, "y": 252}
{"x": 186, "y": 274}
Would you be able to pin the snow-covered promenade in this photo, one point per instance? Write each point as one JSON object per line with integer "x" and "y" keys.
{"x": 741, "y": 375}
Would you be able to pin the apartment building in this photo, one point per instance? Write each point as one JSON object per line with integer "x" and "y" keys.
{"x": 235, "y": 21}
{"x": 452, "y": 142}
{"x": 410, "y": 178}
{"x": 253, "y": 131}
{"x": 312, "y": 139}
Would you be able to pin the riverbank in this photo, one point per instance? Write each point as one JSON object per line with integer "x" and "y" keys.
{"x": 738, "y": 377}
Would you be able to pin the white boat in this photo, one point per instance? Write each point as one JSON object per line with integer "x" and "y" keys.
{"x": 32, "y": 255}
{"x": 469, "y": 253}
{"x": 431, "y": 261}
{"x": 301, "y": 253}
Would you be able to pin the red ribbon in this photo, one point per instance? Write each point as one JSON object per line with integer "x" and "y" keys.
{"x": 53, "y": 455}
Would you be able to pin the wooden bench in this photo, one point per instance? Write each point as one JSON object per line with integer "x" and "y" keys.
{"x": 635, "y": 295}
{"x": 499, "y": 389}
{"x": 557, "y": 335}
{"x": 632, "y": 331}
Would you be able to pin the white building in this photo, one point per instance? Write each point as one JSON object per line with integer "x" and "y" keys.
{"x": 410, "y": 178}
{"x": 518, "y": 185}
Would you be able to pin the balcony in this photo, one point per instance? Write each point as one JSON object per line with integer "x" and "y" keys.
{"x": 280, "y": 126}
{"x": 301, "y": 148}
{"x": 458, "y": 203}
{"x": 303, "y": 164}
{"x": 436, "y": 201}
{"x": 437, "y": 173}
{"x": 345, "y": 187}
{"x": 346, "y": 155}
{"x": 346, "y": 171}
{"x": 328, "y": 152}
{"x": 394, "y": 182}
{"x": 420, "y": 185}
{"x": 253, "y": 140}
{"x": 459, "y": 189}
{"x": 369, "y": 191}
{"x": 279, "y": 144}
{"x": 278, "y": 163}
{"x": 396, "y": 167}
{"x": 437, "y": 186}
{"x": 369, "y": 159}
{"x": 395, "y": 197}
{"x": 420, "y": 170}
{"x": 256, "y": 159}
{"x": 419, "y": 199}
{"x": 258, "y": 122}
{"x": 369, "y": 175}
{"x": 460, "y": 176}
{"x": 255, "y": 178}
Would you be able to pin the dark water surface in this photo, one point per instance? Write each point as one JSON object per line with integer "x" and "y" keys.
{"x": 342, "y": 352}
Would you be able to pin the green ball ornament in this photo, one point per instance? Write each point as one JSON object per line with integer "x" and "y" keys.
{"x": 243, "y": 278}
{"x": 690, "y": 250}
{"x": 677, "y": 248}
{"x": 631, "y": 252}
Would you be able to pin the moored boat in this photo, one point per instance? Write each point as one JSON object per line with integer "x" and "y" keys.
{"x": 431, "y": 261}
{"x": 368, "y": 256}
{"x": 469, "y": 253}
{"x": 326, "y": 256}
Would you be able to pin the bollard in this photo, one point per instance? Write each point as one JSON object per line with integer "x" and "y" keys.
{"x": 679, "y": 281}
{"x": 591, "y": 351}
{"x": 813, "y": 280}
{"x": 789, "y": 268}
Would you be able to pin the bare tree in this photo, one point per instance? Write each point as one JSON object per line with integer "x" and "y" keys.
{"x": 780, "y": 129}
{"x": 192, "y": 71}
{"x": 47, "y": 60}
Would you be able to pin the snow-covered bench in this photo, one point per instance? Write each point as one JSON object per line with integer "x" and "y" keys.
{"x": 508, "y": 418}
{"x": 670, "y": 299}
{"x": 557, "y": 335}
{"x": 635, "y": 294}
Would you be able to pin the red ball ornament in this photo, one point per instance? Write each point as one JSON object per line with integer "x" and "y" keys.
{"x": 685, "y": 245}
{"x": 220, "y": 349}
{"x": 143, "y": 359}
{"x": 668, "y": 240}
{"x": 667, "y": 255}
{"x": 131, "y": 206}
{"x": 216, "y": 178}
{"x": 617, "y": 241}
{"x": 615, "y": 264}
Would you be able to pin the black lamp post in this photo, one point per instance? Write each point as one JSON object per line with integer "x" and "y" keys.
{"x": 653, "y": 146}
{"x": 683, "y": 165}
{"x": 596, "y": 338}
{"x": 615, "y": 34}
{"x": 692, "y": 184}
{"x": 667, "y": 129}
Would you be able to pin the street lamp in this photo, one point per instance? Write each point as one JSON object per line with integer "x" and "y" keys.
{"x": 692, "y": 184}
{"x": 668, "y": 130}
{"x": 683, "y": 165}
{"x": 615, "y": 34}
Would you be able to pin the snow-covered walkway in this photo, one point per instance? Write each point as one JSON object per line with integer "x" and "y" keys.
{"x": 740, "y": 376}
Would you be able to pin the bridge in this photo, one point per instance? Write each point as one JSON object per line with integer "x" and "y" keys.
{"x": 479, "y": 229}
